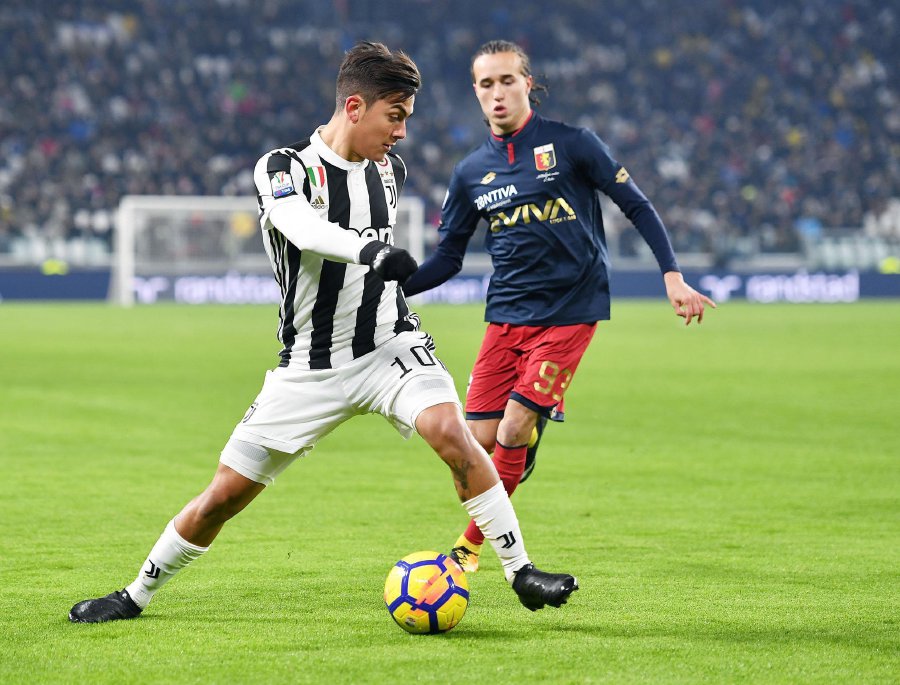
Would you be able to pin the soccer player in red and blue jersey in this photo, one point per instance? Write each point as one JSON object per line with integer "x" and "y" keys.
{"x": 536, "y": 183}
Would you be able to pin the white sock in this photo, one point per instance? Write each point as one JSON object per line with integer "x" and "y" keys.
{"x": 170, "y": 554}
{"x": 494, "y": 514}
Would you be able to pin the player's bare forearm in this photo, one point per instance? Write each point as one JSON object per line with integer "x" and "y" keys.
{"x": 686, "y": 301}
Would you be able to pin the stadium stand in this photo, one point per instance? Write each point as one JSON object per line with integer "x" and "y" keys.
{"x": 755, "y": 127}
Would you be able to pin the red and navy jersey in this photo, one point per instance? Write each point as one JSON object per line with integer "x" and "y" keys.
{"x": 538, "y": 189}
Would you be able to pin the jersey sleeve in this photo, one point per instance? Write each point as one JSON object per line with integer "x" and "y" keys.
{"x": 276, "y": 177}
{"x": 459, "y": 219}
{"x": 612, "y": 179}
{"x": 283, "y": 206}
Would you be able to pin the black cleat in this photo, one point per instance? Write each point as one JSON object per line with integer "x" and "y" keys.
{"x": 533, "y": 444}
{"x": 115, "y": 606}
{"x": 537, "y": 588}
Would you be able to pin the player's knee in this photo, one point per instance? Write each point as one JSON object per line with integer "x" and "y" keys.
{"x": 217, "y": 505}
{"x": 227, "y": 495}
{"x": 452, "y": 435}
{"x": 516, "y": 429}
{"x": 446, "y": 433}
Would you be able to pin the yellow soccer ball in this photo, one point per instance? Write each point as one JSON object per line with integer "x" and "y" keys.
{"x": 426, "y": 592}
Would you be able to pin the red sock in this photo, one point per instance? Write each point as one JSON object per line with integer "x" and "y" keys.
{"x": 510, "y": 464}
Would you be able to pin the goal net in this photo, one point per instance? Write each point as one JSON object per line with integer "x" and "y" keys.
{"x": 209, "y": 249}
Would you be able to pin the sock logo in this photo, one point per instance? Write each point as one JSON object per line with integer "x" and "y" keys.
{"x": 153, "y": 571}
{"x": 508, "y": 539}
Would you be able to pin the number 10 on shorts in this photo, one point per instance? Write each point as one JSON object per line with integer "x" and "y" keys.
{"x": 422, "y": 355}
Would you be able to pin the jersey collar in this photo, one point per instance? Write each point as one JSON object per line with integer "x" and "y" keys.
{"x": 331, "y": 156}
{"x": 514, "y": 137}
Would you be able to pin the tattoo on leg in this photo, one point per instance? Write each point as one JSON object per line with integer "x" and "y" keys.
{"x": 461, "y": 475}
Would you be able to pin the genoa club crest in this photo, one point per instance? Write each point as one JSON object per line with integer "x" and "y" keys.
{"x": 544, "y": 157}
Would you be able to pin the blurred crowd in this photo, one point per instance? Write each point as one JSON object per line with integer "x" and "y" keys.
{"x": 742, "y": 120}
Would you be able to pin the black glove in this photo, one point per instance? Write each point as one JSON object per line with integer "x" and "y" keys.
{"x": 391, "y": 263}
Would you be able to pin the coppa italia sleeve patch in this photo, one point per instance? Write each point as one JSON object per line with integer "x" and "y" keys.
{"x": 282, "y": 184}
{"x": 278, "y": 169}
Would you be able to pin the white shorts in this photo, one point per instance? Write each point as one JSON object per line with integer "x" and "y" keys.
{"x": 297, "y": 407}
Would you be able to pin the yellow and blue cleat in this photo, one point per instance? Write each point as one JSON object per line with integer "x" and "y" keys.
{"x": 465, "y": 553}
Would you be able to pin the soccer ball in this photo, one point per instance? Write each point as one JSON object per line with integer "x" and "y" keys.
{"x": 426, "y": 592}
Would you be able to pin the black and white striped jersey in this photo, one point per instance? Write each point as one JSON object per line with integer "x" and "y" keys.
{"x": 331, "y": 311}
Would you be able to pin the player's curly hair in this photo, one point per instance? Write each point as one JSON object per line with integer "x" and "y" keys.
{"x": 374, "y": 72}
{"x": 492, "y": 47}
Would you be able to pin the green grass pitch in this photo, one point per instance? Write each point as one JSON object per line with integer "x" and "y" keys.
{"x": 728, "y": 495}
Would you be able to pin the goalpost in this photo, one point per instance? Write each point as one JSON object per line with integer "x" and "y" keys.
{"x": 161, "y": 238}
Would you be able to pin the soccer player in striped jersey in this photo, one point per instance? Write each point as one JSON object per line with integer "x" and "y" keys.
{"x": 350, "y": 344}
{"x": 536, "y": 183}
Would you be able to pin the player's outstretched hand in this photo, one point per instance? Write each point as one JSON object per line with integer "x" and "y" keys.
{"x": 686, "y": 301}
{"x": 389, "y": 262}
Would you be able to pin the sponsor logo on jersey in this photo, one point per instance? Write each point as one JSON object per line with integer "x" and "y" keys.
{"x": 488, "y": 177}
{"x": 316, "y": 176}
{"x": 495, "y": 198}
{"x": 622, "y": 176}
{"x": 554, "y": 211}
{"x": 319, "y": 203}
{"x": 282, "y": 183}
{"x": 544, "y": 157}
{"x": 384, "y": 234}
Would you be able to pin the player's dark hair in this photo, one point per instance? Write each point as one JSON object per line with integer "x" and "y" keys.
{"x": 374, "y": 72}
{"x": 492, "y": 47}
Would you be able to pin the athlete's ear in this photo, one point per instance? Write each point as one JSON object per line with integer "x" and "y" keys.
{"x": 529, "y": 84}
{"x": 354, "y": 108}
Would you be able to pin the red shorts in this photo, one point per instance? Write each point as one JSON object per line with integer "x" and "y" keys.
{"x": 530, "y": 364}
